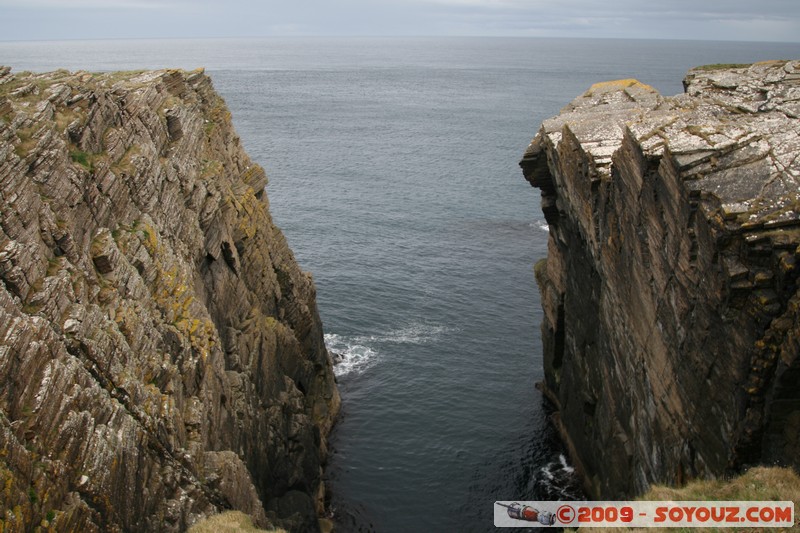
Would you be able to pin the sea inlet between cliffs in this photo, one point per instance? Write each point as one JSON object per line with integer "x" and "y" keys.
{"x": 393, "y": 173}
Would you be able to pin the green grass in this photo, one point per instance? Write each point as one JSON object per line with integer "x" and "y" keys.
{"x": 722, "y": 66}
{"x": 757, "y": 484}
{"x": 82, "y": 158}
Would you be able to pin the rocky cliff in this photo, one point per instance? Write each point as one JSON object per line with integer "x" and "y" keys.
{"x": 670, "y": 289}
{"x": 161, "y": 355}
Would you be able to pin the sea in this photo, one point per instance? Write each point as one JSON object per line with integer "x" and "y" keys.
{"x": 393, "y": 166}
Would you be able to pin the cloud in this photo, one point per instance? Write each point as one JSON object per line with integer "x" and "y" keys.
{"x": 112, "y": 5}
{"x": 633, "y": 9}
{"x": 487, "y": 4}
{"x": 684, "y": 19}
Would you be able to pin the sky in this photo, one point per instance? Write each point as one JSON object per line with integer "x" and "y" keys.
{"x": 737, "y": 20}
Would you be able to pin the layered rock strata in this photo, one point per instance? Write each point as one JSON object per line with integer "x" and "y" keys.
{"x": 161, "y": 355}
{"x": 672, "y": 312}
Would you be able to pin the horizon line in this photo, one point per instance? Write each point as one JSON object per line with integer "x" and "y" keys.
{"x": 398, "y": 36}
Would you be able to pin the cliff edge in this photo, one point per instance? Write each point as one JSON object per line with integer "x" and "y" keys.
{"x": 161, "y": 355}
{"x": 672, "y": 312}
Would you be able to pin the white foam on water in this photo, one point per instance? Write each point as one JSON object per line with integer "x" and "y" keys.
{"x": 564, "y": 465}
{"x": 411, "y": 334}
{"x": 355, "y": 354}
{"x": 541, "y": 225}
{"x": 557, "y": 479}
{"x": 349, "y": 356}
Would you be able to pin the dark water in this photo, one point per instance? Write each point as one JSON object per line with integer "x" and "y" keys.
{"x": 393, "y": 167}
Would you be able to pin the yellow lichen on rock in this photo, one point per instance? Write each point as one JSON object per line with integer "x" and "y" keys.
{"x": 617, "y": 85}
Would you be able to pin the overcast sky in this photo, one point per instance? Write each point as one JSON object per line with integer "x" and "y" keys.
{"x": 739, "y": 20}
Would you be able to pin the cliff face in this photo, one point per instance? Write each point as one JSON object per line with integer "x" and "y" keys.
{"x": 161, "y": 355}
{"x": 672, "y": 311}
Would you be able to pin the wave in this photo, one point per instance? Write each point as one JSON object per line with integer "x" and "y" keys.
{"x": 541, "y": 225}
{"x": 354, "y": 354}
{"x": 557, "y": 480}
{"x": 348, "y": 355}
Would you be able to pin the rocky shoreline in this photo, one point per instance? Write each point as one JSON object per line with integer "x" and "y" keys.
{"x": 672, "y": 312}
{"x": 161, "y": 354}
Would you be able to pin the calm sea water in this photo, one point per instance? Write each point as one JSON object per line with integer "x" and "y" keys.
{"x": 393, "y": 168}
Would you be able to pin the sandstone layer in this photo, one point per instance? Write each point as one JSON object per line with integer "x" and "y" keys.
{"x": 161, "y": 355}
{"x": 672, "y": 312}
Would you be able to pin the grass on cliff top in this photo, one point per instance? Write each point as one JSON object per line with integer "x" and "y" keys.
{"x": 726, "y": 66}
{"x": 229, "y": 522}
{"x": 722, "y": 66}
{"x": 757, "y": 484}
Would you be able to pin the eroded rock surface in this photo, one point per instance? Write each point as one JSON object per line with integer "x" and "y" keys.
{"x": 672, "y": 312}
{"x": 161, "y": 355}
